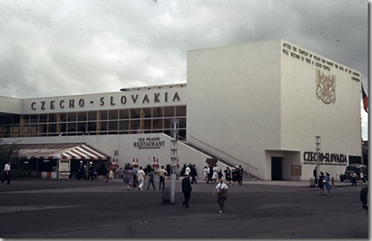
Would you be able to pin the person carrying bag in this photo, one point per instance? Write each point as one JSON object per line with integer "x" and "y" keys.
{"x": 221, "y": 190}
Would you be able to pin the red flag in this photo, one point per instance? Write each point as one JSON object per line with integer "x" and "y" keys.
{"x": 365, "y": 100}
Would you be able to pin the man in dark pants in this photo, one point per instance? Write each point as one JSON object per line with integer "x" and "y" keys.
{"x": 193, "y": 174}
{"x": 186, "y": 189}
{"x": 241, "y": 173}
{"x": 315, "y": 176}
{"x": 162, "y": 173}
{"x": 364, "y": 198}
{"x": 6, "y": 173}
{"x": 81, "y": 172}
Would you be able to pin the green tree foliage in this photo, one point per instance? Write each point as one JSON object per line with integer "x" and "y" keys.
{"x": 9, "y": 152}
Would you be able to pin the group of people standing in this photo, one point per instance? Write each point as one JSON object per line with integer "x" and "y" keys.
{"x": 233, "y": 176}
{"x": 84, "y": 170}
{"x": 324, "y": 183}
{"x": 134, "y": 177}
{"x": 190, "y": 170}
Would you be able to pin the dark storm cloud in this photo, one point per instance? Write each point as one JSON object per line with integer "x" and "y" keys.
{"x": 68, "y": 47}
{"x": 51, "y": 48}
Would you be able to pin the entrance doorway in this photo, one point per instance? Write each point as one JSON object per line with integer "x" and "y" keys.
{"x": 276, "y": 168}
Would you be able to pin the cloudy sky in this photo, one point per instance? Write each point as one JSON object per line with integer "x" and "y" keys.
{"x": 65, "y": 47}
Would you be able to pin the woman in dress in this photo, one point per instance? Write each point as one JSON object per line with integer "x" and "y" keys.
{"x": 126, "y": 177}
{"x": 327, "y": 185}
{"x": 215, "y": 174}
{"x": 205, "y": 173}
{"x": 321, "y": 183}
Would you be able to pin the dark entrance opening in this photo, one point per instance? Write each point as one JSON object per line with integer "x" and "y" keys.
{"x": 276, "y": 168}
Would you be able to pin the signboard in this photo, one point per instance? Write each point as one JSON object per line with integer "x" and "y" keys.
{"x": 117, "y": 100}
{"x": 149, "y": 143}
{"x": 325, "y": 158}
{"x": 296, "y": 170}
{"x": 64, "y": 165}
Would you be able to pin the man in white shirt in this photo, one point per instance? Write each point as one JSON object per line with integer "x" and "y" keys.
{"x": 162, "y": 173}
{"x": 221, "y": 190}
{"x": 140, "y": 178}
{"x": 7, "y": 173}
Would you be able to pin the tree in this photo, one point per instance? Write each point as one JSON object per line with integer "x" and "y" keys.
{"x": 9, "y": 152}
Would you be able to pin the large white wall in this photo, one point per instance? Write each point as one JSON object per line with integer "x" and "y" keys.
{"x": 252, "y": 102}
{"x": 10, "y": 105}
{"x": 304, "y": 116}
{"x": 234, "y": 100}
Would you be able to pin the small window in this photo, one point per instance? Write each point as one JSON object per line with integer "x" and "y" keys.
{"x": 82, "y": 116}
{"x": 92, "y": 115}
{"x": 71, "y": 117}
{"x": 113, "y": 115}
{"x": 124, "y": 114}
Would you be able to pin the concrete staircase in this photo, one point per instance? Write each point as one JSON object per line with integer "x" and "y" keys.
{"x": 247, "y": 175}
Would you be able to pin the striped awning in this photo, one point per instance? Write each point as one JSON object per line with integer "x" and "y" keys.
{"x": 77, "y": 151}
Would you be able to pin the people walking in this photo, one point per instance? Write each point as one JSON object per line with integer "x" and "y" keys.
{"x": 162, "y": 173}
{"x": 321, "y": 183}
{"x": 354, "y": 179}
{"x": 151, "y": 179}
{"x": 186, "y": 189}
{"x": 110, "y": 173}
{"x": 327, "y": 184}
{"x": 205, "y": 173}
{"x": 215, "y": 174}
{"x": 315, "y": 176}
{"x": 91, "y": 171}
{"x": 126, "y": 174}
{"x": 6, "y": 173}
{"x": 188, "y": 169}
{"x": 193, "y": 174}
{"x": 210, "y": 174}
{"x": 228, "y": 175}
{"x": 220, "y": 175}
{"x": 85, "y": 172}
{"x": 241, "y": 173}
{"x": 81, "y": 171}
{"x": 130, "y": 177}
{"x": 135, "y": 180}
{"x": 221, "y": 190}
{"x": 362, "y": 177}
{"x": 235, "y": 176}
{"x": 140, "y": 178}
{"x": 364, "y": 198}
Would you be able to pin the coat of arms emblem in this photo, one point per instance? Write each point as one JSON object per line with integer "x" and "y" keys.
{"x": 325, "y": 87}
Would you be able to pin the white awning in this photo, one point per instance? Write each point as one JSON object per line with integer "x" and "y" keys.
{"x": 77, "y": 151}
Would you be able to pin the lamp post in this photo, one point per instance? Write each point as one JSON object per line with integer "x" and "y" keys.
{"x": 317, "y": 145}
{"x": 173, "y": 164}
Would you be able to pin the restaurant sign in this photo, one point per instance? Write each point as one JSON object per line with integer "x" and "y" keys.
{"x": 149, "y": 143}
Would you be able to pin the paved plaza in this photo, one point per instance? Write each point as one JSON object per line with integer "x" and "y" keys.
{"x": 72, "y": 209}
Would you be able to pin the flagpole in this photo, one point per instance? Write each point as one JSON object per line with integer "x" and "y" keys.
{"x": 317, "y": 148}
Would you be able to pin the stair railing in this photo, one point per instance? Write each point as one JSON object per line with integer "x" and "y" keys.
{"x": 236, "y": 161}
